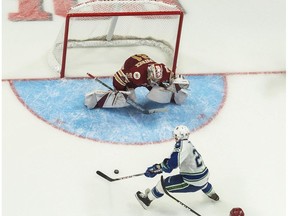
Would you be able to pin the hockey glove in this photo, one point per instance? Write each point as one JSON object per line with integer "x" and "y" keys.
{"x": 165, "y": 166}
{"x": 153, "y": 171}
{"x": 177, "y": 84}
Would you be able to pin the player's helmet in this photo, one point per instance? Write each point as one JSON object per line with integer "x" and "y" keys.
{"x": 181, "y": 132}
{"x": 154, "y": 72}
{"x": 237, "y": 212}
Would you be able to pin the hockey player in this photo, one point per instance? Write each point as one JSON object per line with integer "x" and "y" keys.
{"x": 193, "y": 175}
{"x": 140, "y": 71}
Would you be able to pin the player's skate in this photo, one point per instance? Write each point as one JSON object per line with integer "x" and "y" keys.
{"x": 143, "y": 198}
{"x": 213, "y": 196}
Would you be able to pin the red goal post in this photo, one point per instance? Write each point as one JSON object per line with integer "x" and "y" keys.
{"x": 125, "y": 24}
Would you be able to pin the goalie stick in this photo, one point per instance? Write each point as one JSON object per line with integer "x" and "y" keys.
{"x": 116, "y": 179}
{"x": 178, "y": 201}
{"x": 130, "y": 101}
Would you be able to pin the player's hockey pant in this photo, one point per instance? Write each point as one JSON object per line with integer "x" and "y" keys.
{"x": 176, "y": 184}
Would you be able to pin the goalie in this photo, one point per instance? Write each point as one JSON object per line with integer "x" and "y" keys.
{"x": 140, "y": 71}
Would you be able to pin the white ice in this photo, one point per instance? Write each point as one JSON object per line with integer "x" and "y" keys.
{"x": 48, "y": 172}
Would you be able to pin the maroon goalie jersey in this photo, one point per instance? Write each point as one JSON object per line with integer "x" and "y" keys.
{"x": 133, "y": 74}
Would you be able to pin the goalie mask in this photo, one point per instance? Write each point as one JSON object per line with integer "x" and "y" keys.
{"x": 181, "y": 132}
{"x": 154, "y": 73}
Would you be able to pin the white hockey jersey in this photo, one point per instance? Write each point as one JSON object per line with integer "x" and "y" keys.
{"x": 191, "y": 165}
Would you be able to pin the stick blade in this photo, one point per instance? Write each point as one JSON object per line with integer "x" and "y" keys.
{"x": 104, "y": 176}
{"x": 159, "y": 110}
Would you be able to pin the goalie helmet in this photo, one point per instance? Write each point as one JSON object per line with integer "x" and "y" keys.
{"x": 181, "y": 132}
{"x": 154, "y": 73}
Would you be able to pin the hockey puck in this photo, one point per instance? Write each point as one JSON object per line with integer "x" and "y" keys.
{"x": 116, "y": 171}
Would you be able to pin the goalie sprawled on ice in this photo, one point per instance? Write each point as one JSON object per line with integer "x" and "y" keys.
{"x": 140, "y": 70}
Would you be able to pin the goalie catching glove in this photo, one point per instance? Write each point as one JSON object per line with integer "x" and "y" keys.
{"x": 174, "y": 92}
{"x": 177, "y": 84}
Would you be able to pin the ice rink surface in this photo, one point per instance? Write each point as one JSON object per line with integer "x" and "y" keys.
{"x": 46, "y": 171}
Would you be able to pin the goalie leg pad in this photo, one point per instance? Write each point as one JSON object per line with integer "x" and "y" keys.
{"x": 105, "y": 99}
{"x": 159, "y": 95}
{"x": 180, "y": 96}
{"x": 91, "y": 100}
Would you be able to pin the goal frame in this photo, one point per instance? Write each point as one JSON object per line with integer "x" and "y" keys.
{"x": 118, "y": 14}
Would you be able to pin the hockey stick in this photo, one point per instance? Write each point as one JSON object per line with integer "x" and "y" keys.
{"x": 116, "y": 179}
{"x": 130, "y": 101}
{"x": 178, "y": 201}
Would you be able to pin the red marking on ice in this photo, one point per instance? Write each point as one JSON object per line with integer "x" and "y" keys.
{"x": 32, "y": 10}
{"x": 201, "y": 116}
{"x": 161, "y": 141}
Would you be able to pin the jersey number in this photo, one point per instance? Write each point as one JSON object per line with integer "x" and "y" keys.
{"x": 197, "y": 158}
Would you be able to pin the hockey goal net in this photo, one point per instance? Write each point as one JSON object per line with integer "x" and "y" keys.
{"x": 99, "y": 35}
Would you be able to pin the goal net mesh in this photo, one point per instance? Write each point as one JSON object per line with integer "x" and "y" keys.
{"x": 110, "y": 31}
